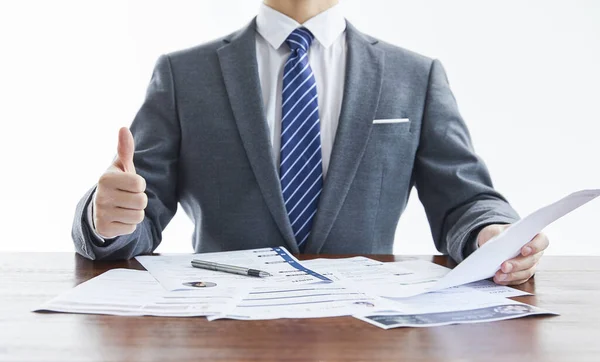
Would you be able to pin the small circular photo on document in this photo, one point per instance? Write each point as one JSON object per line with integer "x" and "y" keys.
{"x": 200, "y": 284}
{"x": 513, "y": 309}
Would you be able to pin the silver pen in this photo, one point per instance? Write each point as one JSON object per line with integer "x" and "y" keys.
{"x": 228, "y": 268}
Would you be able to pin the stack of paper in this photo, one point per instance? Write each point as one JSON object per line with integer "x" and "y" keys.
{"x": 408, "y": 293}
{"x": 136, "y": 293}
{"x": 317, "y": 288}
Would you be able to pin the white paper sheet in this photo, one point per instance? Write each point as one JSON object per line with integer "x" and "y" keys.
{"x": 451, "y": 299}
{"x": 391, "y": 319}
{"x": 489, "y": 287}
{"x": 438, "y": 271}
{"x": 396, "y": 279}
{"x": 175, "y": 272}
{"x": 134, "y": 293}
{"x": 356, "y": 269}
{"x": 374, "y": 277}
{"x": 486, "y": 260}
{"x": 450, "y": 306}
{"x": 309, "y": 301}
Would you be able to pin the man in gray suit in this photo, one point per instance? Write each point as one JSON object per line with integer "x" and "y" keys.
{"x": 296, "y": 130}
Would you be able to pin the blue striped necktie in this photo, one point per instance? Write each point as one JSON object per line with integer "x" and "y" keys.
{"x": 301, "y": 170}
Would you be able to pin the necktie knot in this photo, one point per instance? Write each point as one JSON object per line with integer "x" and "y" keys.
{"x": 300, "y": 39}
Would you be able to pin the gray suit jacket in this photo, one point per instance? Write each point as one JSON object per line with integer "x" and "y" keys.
{"x": 202, "y": 141}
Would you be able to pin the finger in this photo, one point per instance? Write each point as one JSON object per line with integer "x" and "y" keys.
{"x": 124, "y": 216}
{"x": 114, "y": 229}
{"x": 509, "y": 278}
{"x": 521, "y": 263}
{"x": 125, "y": 150}
{"x": 121, "y": 199}
{"x": 123, "y": 181}
{"x": 539, "y": 243}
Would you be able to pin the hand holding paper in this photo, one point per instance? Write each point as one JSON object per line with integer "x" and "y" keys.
{"x": 522, "y": 267}
{"x": 487, "y": 260}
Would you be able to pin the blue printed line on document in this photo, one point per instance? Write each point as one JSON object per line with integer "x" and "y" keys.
{"x": 284, "y": 254}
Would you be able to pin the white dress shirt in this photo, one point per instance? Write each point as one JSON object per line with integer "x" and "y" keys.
{"x": 327, "y": 58}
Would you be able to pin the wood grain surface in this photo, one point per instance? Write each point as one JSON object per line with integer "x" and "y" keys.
{"x": 567, "y": 285}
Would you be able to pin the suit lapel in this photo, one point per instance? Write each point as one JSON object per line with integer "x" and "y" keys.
{"x": 364, "y": 68}
{"x": 240, "y": 73}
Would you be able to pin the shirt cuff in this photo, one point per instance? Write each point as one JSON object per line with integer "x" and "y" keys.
{"x": 471, "y": 244}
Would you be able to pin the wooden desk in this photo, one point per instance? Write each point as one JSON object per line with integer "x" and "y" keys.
{"x": 567, "y": 285}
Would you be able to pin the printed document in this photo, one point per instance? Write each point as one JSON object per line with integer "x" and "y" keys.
{"x": 135, "y": 292}
{"x": 308, "y": 301}
{"x": 395, "y": 279}
{"x": 175, "y": 271}
{"x": 362, "y": 286}
{"x": 456, "y": 305}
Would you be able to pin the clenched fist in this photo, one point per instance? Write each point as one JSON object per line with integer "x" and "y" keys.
{"x": 120, "y": 199}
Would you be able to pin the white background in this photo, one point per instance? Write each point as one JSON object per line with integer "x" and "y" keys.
{"x": 526, "y": 75}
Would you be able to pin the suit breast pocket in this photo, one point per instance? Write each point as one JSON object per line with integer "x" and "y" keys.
{"x": 391, "y": 127}
{"x": 390, "y": 141}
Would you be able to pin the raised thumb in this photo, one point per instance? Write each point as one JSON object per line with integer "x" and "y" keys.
{"x": 125, "y": 151}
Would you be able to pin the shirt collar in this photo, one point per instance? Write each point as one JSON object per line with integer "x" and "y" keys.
{"x": 275, "y": 27}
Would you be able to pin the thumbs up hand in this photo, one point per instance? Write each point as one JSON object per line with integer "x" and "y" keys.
{"x": 120, "y": 199}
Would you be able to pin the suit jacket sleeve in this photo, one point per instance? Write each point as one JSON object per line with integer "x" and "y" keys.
{"x": 453, "y": 183}
{"x": 157, "y": 135}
